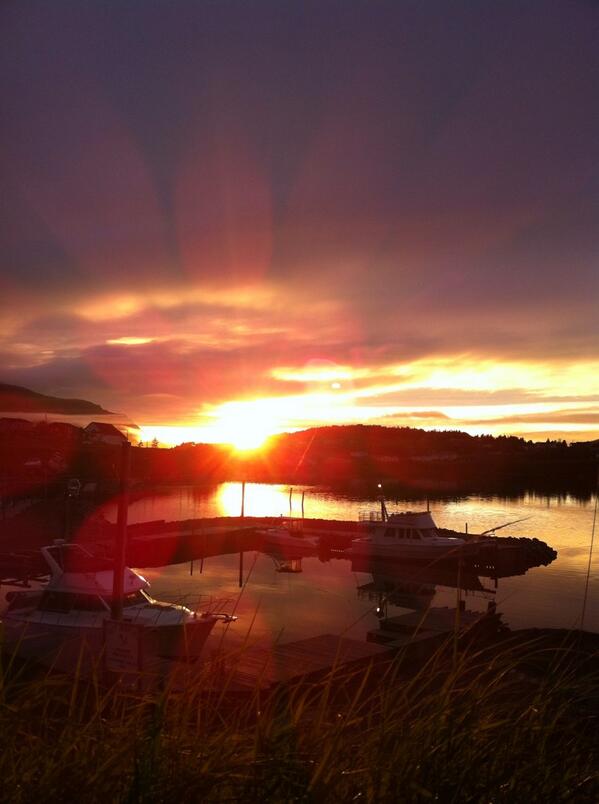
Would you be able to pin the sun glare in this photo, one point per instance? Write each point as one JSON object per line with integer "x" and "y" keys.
{"x": 243, "y": 437}
{"x": 244, "y": 425}
{"x": 551, "y": 390}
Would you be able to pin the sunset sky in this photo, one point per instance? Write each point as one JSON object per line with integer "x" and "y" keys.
{"x": 230, "y": 216}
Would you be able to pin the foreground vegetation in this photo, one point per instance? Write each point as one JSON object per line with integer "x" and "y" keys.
{"x": 503, "y": 724}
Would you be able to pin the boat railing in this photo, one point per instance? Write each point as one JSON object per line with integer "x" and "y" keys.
{"x": 199, "y": 603}
{"x": 73, "y": 618}
{"x": 370, "y": 516}
{"x": 78, "y": 618}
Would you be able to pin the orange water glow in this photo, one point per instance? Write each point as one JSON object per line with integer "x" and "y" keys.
{"x": 261, "y": 499}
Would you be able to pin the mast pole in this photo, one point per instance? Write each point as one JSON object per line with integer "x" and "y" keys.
{"x": 118, "y": 581}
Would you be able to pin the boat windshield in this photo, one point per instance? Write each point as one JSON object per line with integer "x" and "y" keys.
{"x": 24, "y": 600}
{"x": 403, "y": 533}
{"x": 62, "y": 602}
{"x": 72, "y": 558}
{"x": 137, "y": 598}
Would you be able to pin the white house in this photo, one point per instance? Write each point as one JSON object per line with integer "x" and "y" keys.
{"x": 103, "y": 433}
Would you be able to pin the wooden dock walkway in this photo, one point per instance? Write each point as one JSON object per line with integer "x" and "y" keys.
{"x": 418, "y": 632}
{"x": 437, "y": 619}
{"x": 305, "y": 659}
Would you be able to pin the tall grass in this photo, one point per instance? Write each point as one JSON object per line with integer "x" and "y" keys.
{"x": 509, "y": 724}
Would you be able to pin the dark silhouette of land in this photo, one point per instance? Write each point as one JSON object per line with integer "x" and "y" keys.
{"x": 36, "y": 459}
{"x": 14, "y": 398}
{"x": 360, "y": 457}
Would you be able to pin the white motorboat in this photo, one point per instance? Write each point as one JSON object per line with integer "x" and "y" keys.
{"x": 409, "y": 535}
{"x": 72, "y": 609}
{"x": 284, "y": 542}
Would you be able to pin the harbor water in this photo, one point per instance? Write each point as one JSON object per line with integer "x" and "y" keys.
{"x": 336, "y": 597}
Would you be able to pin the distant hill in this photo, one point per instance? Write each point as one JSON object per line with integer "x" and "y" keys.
{"x": 359, "y": 440}
{"x": 364, "y": 458}
{"x": 15, "y": 399}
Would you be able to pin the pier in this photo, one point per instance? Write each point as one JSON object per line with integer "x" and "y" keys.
{"x": 158, "y": 543}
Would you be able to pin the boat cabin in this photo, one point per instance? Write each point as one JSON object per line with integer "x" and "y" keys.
{"x": 406, "y": 527}
{"x": 80, "y": 582}
{"x": 405, "y": 533}
{"x": 64, "y": 602}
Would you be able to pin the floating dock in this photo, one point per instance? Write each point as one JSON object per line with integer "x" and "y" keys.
{"x": 420, "y": 633}
{"x": 158, "y": 543}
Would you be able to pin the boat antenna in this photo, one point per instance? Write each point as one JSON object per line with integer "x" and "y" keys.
{"x": 384, "y": 514}
{"x": 505, "y": 525}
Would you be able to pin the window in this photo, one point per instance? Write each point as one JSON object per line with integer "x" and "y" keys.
{"x": 24, "y": 601}
{"x": 57, "y": 554}
{"x": 135, "y": 598}
{"x": 88, "y": 603}
{"x": 390, "y": 533}
{"x": 56, "y": 601}
{"x": 132, "y": 599}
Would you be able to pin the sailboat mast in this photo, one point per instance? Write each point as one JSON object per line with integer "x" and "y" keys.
{"x": 120, "y": 546}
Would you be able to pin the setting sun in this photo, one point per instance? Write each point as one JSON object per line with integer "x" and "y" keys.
{"x": 243, "y": 435}
{"x": 245, "y": 425}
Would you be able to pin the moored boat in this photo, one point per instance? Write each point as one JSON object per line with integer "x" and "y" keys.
{"x": 281, "y": 540}
{"x": 410, "y": 535}
{"x": 72, "y": 610}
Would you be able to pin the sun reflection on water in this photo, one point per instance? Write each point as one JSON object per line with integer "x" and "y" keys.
{"x": 260, "y": 499}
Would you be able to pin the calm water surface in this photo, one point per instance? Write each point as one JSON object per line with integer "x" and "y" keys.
{"x": 328, "y": 597}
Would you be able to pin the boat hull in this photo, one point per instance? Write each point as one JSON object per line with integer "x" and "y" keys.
{"x": 60, "y": 644}
{"x": 408, "y": 552}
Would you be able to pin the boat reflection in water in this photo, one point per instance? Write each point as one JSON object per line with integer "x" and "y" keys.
{"x": 413, "y": 586}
